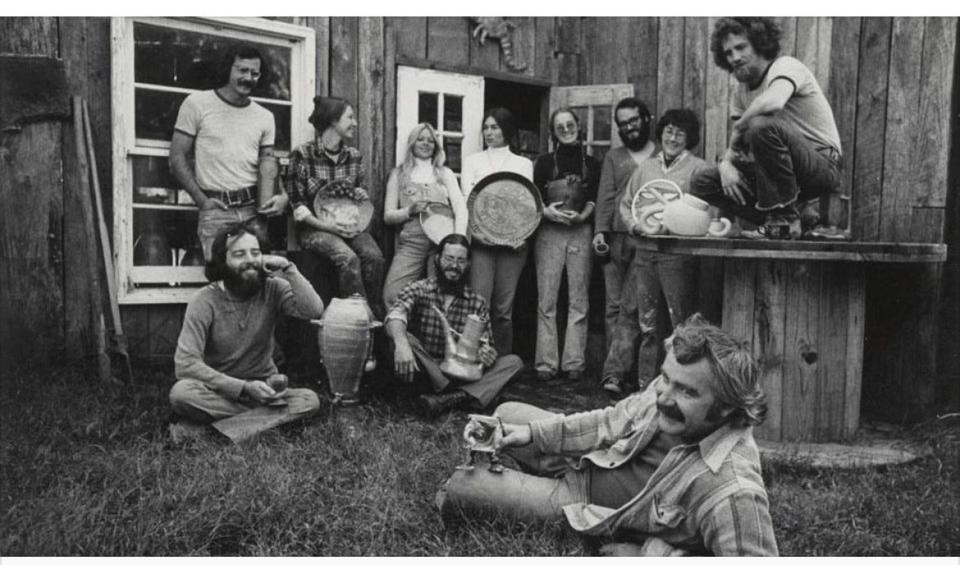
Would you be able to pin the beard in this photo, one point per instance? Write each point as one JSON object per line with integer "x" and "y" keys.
{"x": 636, "y": 143}
{"x": 449, "y": 286}
{"x": 243, "y": 283}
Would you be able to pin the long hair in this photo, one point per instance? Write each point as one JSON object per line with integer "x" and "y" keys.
{"x": 736, "y": 380}
{"x": 454, "y": 239}
{"x": 216, "y": 268}
{"x": 326, "y": 111}
{"x": 553, "y": 119}
{"x": 507, "y": 124}
{"x": 437, "y": 160}
{"x": 763, "y": 34}
{"x": 230, "y": 57}
{"x": 684, "y": 119}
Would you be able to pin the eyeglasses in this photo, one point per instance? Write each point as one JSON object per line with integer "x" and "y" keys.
{"x": 675, "y": 133}
{"x": 459, "y": 262}
{"x": 569, "y": 126}
{"x": 631, "y": 123}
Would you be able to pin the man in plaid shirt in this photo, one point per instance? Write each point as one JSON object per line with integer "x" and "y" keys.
{"x": 419, "y": 337}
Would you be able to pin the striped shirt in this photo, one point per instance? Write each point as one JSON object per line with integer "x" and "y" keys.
{"x": 704, "y": 498}
{"x": 413, "y": 306}
{"x": 312, "y": 171}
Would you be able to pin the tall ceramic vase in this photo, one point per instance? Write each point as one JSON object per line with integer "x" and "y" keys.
{"x": 346, "y": 341}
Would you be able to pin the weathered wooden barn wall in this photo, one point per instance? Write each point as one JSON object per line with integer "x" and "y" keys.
{"x": 891, "y": 82}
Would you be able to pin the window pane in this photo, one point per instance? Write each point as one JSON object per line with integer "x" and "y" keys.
{"x": 154, "y": 184}
{"x": 165, "y": 238}
{"x": 156, "y": 113}
{"x": 601, "y": 123}
{"x": 452, "y": 112}
{"x": 189, "y": 59}
{"x": 428, "y": 108}
{"x": 453, "y": 149}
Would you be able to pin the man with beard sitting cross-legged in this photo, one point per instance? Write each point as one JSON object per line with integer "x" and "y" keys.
{"x": 224, "y": 354}
{"x": 419, "y": 338}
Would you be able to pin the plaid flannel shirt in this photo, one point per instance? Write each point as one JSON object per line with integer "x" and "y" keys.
{"x": 311, "y": 171}
{"x": 413, "y": 307}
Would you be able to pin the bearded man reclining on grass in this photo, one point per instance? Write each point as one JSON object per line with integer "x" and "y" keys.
{"x": 673, "y": 470}
{"x": 225, "y": 351}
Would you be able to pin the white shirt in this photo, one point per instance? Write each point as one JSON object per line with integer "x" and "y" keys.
{"x": 492, "y": 160}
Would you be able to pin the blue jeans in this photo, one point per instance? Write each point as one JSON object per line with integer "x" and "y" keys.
{"x": 559, "y": 246}
{"x": 653, "y": 277}
{"x": 358, "y": 261}
{"x": 614, "y": 272}
{"x": 787, "y": 167}
{"x": 210, "y": 222}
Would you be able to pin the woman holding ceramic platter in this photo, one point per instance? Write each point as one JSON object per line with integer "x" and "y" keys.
{"x": 327, "y": 167}
{"x": 567, "y": 179}
{"x": 421, "y": 184}
{"x": 654, "y": 277}
{"x": 495, "y": 270}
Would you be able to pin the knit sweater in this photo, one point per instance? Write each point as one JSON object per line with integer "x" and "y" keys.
{"x": 680, "y": 171}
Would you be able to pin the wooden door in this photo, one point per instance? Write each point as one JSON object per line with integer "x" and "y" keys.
{"x": 594, "y": 106}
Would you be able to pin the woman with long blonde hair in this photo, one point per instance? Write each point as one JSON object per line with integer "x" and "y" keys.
{"x": 420, "y": 180}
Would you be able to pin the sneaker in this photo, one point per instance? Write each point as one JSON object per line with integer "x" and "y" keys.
{"x": 613, "y": 384}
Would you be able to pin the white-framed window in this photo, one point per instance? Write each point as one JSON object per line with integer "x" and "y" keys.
{"x": 156, "y": 63}
{"x": 450, "y": 102}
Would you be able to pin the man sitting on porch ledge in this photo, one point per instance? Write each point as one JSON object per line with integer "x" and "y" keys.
{"x": 784, "y": 151}
{"x": 225, "y": 350}
{"x": 673, "y": 470}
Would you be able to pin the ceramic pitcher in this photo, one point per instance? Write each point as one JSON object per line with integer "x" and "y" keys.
{"x": 687, "y": 215}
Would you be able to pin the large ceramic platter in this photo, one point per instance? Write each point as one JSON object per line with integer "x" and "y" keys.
{"x": 660, "y": 191}
{"x": 505, "y": 209}
{"x": 348, "y": 214}
{"x": 437, "y": 221}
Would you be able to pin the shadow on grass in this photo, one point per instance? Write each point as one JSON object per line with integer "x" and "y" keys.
{"x": 87, "y": 471}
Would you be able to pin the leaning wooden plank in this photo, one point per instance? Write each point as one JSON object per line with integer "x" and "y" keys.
{"x": 866, "y": 156}
{"x": 902, "y": 135}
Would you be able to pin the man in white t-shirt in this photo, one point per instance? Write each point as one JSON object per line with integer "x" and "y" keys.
{"x": 229, "y": 139}
{"x": 785, "y": 148}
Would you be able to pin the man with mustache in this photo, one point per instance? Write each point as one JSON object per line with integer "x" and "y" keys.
{"x": 784, "y": 151}
{"x": 222, "y": 150}
{"x": 419, "y": 339}
{"x": 673, "y": 470}
{"x": 224, "y": 352}
{"x": 633, "y": 125}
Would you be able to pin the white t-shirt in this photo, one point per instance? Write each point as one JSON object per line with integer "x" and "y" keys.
{"x": 493, "y": 160}
{"x": 807, "y": 109}
{"x": 227, "y": 139}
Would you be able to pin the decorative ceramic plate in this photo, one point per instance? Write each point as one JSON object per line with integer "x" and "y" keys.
{"x": 505, "y": 209}
{"x": 348, "y": 214}
{"x": 437, "y": 221}
{"x": 656, "y": 192}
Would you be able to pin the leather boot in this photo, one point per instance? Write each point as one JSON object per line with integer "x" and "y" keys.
{"x": 434, "y": 404}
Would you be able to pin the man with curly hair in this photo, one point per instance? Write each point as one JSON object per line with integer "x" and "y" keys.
{"x": 673, "y": 470}
{"x": 784, "y": 151}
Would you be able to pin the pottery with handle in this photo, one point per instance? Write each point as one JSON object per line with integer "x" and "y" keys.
{"x": 346, "y": 340}
{"x": 687, "y": 216}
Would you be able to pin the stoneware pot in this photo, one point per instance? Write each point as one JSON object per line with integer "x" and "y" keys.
{"x": 687, "y": 216}
{"x": 346, "y": 341}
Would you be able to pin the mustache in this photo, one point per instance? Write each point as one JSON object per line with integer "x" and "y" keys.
{"x": 671, "y": 412}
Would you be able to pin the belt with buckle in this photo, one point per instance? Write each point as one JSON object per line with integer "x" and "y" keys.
{"x": 234, "y": 198}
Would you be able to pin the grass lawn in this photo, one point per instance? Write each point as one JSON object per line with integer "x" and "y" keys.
{"x": 87, "y": 470}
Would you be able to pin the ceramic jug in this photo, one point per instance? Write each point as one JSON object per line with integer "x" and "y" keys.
{"x": 461, "y": 359}
{"x": 687, "y": 215}
{"x": 346, "y": 340}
